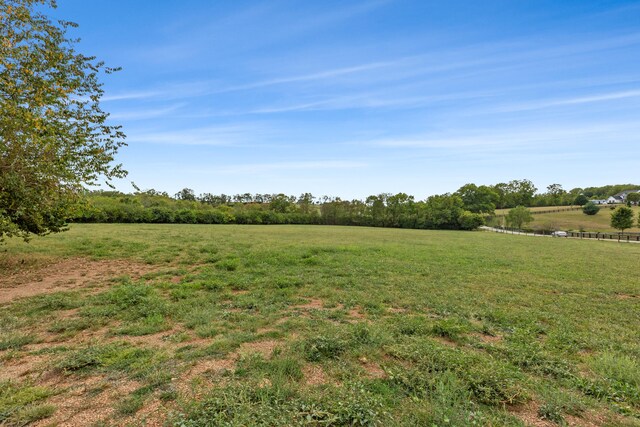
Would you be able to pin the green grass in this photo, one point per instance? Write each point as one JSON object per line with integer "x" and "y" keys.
{"x": 401, "y": 327}
{"x": 21, "y": 404}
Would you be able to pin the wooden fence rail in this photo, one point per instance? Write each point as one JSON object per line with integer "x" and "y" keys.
{"x": 620, "y": 237}
{"x": 537, "y": 212}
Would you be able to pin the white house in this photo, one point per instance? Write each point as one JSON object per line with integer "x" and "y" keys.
{"x": 615, "y": 199}
{"x": 621, "y": 197}
{"x": 623, "y": 194}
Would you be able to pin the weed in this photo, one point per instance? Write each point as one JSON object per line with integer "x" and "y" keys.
{"x": 451, "y": 328}
{"x": 20, "y": 403}
{"x": 277, "y": 370}
{"x": 71, "y": 325}
{"x": 43, "y": 304}
{"x": 323, "y": 347}
{"x": 145, "y": 326}
{"x": 551, "y": 412}
{"x": 130, "y": 405}
{"x": 230, "y": 264}
{"x": 15, "y": 341}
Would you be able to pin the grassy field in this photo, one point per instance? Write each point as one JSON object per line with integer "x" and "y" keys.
{"x": 574, "y": 219}
{"x": 537, "y": 209}
{"x": 315, "y": 325}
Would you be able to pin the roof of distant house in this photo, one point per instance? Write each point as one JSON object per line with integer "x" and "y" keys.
{"x": 623, "y": 194}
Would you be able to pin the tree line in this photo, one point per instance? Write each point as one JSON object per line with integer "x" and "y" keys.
{"x": 384, "y": 210}
{"x": 465, "y": 209}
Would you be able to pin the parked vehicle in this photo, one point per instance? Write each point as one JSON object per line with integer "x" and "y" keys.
{"x": 559, "y": 234}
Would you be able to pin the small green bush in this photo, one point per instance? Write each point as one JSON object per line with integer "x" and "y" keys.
{"x": 590, "y": 208}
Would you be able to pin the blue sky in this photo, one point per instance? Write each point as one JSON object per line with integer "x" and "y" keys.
{"x": 352, "y": 98}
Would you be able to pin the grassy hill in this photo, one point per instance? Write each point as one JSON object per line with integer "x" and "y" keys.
{"x": 314, "y": 325}
{"x": 574, "y": 219}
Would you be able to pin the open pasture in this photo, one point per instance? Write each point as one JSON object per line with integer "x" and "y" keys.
{"x": 313, "y": 325}
{"x": 577, "y": 220}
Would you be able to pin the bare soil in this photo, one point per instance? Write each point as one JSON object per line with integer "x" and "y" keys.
{"x": 66, "y": 275}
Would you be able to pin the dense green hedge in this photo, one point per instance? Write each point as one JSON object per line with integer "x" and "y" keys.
{"x": 401, "y": 211}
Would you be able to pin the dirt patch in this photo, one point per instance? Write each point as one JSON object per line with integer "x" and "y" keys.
{"x": 313, "y": 304}
{"x": 89, "y": 402}
{"x": 68, "y": 314}
{"x": 265, "y": 348}
{"x": 528, "y": 413}
{"x": 152, "y": 414}
{"x": 314, "y": 375}
{"x": 373, "y": 370}
{"x": 396, "y": 310}
{"x": 486, "y": 338}
{"x": 13, "y": 264}
{"x": 355, "y": 313}
{"x": 202, "y": 376}
{"x": 203, "y": 371}
{"x": 161, "y": 340}
{"x": 593, "y": 419}
{"x": 627, "y": 296}
{"x": 66, "y": 275}
{"x": 24, "y": 367}
{"x": 445, "y": 341}
{"x": 214, "y": 366}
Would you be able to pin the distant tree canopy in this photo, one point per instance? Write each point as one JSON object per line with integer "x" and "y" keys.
{"x": 466, "y": 209}
{"x": 480, "y": 199}
{"x": 400, "y": 210}
{"x": 608, "y": 190}
{"x": 54, "y": 137}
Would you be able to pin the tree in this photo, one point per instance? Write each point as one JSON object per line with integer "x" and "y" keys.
{"x": 186, "y": 194}
{"x": 443, "y": 212}
{"x": 54, "y": 137}
{"x": 471, "y": 221}
{"x": 480, "y": 199}
{"x": 519, "y": 216}
{"x": 514, "y": 193}
{"x": 580, "y": 200}
{"x": 622, "y": 218}
{"x": 633, "y": 198}
{"x": 590, "y": 208}
{"x": 555, "y": 193}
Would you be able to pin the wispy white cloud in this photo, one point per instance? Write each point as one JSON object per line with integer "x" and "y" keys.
{"x": 372, "y": 100}
{"x": 601, "y": 97}
{"x": 225, "y": 135}
{"x": 131, "y": 95}
{"x": 143, "y": 114}
{"x": 570, "y": 101}
{"x": 515, "y": 138}
{"x": 256, "y": 168}
{"x": 320, "y": 75}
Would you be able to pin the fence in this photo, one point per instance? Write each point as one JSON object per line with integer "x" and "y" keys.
{"x": 620, "y": 237}
{"x": 537, "y": 212}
